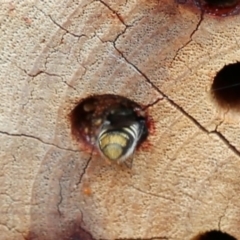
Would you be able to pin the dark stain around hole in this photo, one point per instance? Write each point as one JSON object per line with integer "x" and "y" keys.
{"x": 214, "y": 235}
{"x": 226, "y": 86}
{"x": 104, "y": 122}
{"x": 221, "y": 8}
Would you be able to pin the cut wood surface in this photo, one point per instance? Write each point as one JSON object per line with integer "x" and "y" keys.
{"x": 156, "y": 53}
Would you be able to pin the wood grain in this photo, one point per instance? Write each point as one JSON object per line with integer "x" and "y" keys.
{"x": 157, "y": 53}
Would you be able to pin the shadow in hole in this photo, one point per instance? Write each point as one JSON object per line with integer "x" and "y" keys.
{"x": 226, "y": 86}
{"x": 214, "y": 235}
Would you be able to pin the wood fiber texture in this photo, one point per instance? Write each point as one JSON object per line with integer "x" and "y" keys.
{"x": 157, "y": 53}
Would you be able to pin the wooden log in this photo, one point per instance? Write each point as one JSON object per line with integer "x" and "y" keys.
{"x": 161, "y": 54}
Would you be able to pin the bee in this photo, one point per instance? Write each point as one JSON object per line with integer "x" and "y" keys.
{"x": 120, "y": 134}
{"x": 111, "y": 125}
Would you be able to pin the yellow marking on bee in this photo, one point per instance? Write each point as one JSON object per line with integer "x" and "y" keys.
{"x": 114, "y": 138}
{"x": 113, "y": 151}
{"x": 112, "y": 144}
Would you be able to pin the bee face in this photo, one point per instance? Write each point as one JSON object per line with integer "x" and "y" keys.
{"x": 120, "y": 136}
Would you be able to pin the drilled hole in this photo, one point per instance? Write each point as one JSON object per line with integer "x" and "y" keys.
{"x": 222, "y": 3}
{"x": 214, "y": 235}
{"x": 113, "y": 126}
{"x": 219, "y": 7}
{"x": 226, "y": 86}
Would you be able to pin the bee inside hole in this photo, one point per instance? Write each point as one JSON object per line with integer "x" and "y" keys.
{"x": 226, "y": 86}
{"x": 114, "y": 125}
{"x": 214, "y": 235}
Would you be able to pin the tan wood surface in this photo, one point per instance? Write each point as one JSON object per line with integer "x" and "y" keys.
{"x": 157, "y": 53}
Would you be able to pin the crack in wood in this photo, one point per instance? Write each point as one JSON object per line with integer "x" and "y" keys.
{"x": 85, "y": 168}
{"x": 153, "y": 194}
{"x": 61, "y": 198}
{"x": 174, "y": 104}
{"x": 36, "y": 138}
{"x": 152, "y": 104}
{"x": 120, "y": 18}
{"x": 60, "y": 26}
{"x": 190, "y": 38}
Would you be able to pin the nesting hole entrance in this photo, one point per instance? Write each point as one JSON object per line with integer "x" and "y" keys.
{"x": 98, "y": 114}
{"x": 226, "y": 86}
{"x": 222, "y": 3}
{"x": 221, "y": 8}
{"x": 214, "y": 234}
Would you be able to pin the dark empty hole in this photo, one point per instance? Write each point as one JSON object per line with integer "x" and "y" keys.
{"x": 226, "y": 85}
{"x": 222, "y": 3}
{"x": 214, "y": 235}
{"x": 181, "y": 1}
{"x": 220, "y": 8}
